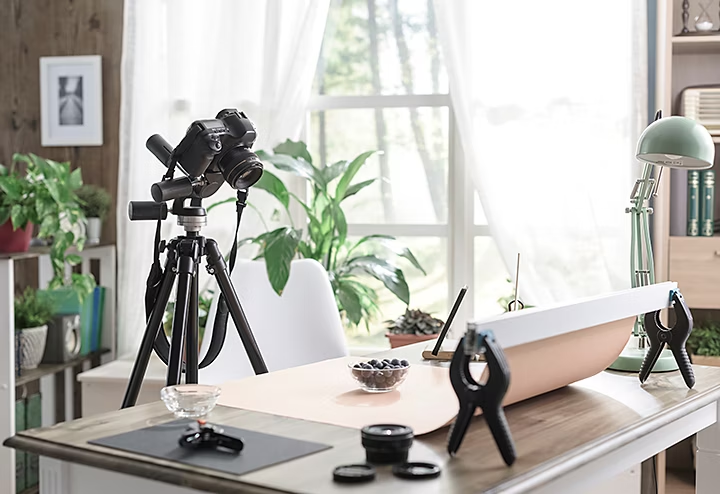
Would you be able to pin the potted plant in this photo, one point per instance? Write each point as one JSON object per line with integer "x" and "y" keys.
{"x": 95, "y": 203}
{"x": 324, "y": 236}
{"x": 45, "y": 196}
{"x": 704, "y": 344}
{"x": 33, "y": 311}
{"x": 412, "y": 327}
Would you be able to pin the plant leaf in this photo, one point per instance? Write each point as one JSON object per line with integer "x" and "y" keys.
{"x": 350, "y": 173}
{"x": 296, "y": 149}
{"x": 73, "y": 259}
{"x": 12, "y": 187}
{"x": 4, "y": 214}
{"x": 18, "y": 217}
{"x": 350, "y": 303}
{"x": 333, "y": 171}
{"x": 394, "y": 245}
{"x": 340, "y": 224}
{"x": 389, "y": 275}
{"x": 275, "y": 187}
{"x": 355, "y": 188}
{"x": 279, "y": 252}
{"x": 219, "y": 203}
{"x": 75, "y": 180}
{"x": 292, "y": 165}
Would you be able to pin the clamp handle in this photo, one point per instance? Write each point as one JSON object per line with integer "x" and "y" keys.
{"x": 675, "y": 337}
{"x": 488, "y": 396}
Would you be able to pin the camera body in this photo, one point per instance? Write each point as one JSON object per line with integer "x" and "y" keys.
{"x": 212, "y": 151}
{"x": 220, "y": 145}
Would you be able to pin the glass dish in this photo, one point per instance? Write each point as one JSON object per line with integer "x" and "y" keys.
{"x": 190, "y": 400}
{"x": 378, "y": 380}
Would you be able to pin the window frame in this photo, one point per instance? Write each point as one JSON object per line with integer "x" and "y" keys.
{"x": 460, "y": 230}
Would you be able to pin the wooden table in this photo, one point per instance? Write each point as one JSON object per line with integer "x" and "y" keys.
{"x": 567, "y": 440}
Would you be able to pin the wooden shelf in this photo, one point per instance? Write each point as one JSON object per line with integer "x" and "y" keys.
{"x": 31, "y": 490}
{"x": 699, "y": 44}
{"x": 48, "y": 369}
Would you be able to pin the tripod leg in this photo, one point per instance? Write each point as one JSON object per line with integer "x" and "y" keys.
{"x": 216, "y": 265}
{"x": 151, "y": 331}
{"x": 191, "y": 341}
{"x": 187, "y": 261}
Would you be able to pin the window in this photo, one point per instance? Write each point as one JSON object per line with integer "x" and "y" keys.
{"x": 381, "y": 84}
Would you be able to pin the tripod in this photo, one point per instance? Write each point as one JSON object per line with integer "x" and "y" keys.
{"x": 181, "y": 264}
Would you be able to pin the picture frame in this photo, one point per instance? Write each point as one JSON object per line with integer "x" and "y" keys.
{"x": 71, "y": 101}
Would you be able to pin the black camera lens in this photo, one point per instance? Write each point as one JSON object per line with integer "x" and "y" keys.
{"x": 241, "y": 168}
{"x": 386, "y": 443}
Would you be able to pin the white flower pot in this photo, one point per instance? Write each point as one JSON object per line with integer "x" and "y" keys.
{"x": 32, "y": 346}
{"x": 94, "y": 227}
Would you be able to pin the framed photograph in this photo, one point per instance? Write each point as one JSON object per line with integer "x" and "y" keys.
{"x": 71, "y": 101}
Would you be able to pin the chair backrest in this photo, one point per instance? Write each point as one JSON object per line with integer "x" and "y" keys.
{"x": 300, "y": 327}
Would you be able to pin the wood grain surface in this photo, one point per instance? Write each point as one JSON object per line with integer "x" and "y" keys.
{"x": 550, "y": 431}
{"x": 30, "y": 29}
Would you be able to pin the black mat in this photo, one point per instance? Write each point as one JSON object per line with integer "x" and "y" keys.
{"x": 260, "y": 451}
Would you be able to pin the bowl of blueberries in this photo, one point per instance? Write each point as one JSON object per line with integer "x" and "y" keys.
{"x": 380, "y": 376}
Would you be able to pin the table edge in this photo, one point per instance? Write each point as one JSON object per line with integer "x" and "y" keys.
{"x": 578, "y": 457}
{"x": 138, "y": 468}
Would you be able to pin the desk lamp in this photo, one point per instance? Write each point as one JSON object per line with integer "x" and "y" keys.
{"x": 675, "y": 142}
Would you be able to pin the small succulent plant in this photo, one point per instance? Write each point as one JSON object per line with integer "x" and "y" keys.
{"x": 415, "y": 321}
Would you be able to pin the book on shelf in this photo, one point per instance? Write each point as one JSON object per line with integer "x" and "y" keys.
{"x": 33, "y": 420}
{"x": 693, "y": 203}
{"x": 707, "y": 203}
{"x": 91, "y": 319}
{"x": 20, "y": 456}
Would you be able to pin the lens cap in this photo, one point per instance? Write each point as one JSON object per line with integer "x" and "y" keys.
{"x": 352, "y": 474}
{"x": 416, "y": 471}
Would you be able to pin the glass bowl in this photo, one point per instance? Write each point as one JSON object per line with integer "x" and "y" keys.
{"x": 190, "y": 400}
{"x": 378, "y": 380}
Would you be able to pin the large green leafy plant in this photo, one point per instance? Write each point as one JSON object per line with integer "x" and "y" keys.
{"x": 45, "y": 195}
{"x": 325, "y": 235}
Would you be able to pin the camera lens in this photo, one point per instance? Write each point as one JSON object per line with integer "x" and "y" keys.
{"x": 241, "y": 168}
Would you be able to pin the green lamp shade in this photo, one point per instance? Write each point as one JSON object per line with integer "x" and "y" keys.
{"x": 677, "y": 142}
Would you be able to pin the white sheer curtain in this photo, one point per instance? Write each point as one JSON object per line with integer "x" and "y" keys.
{"x": 185, "y": 60}
{"x": 549, "y": 99}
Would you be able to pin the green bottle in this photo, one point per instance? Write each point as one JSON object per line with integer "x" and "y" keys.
{"x": 693, "y": 203}
{"x": 707, "y": 202}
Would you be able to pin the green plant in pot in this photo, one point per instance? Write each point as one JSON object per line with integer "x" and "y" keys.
{"x": 411, "y": 327}
{"x": 95, "y": 204}
{"x": 704, "y": 342}
{"x": 42, "y": 192}
{"x": 33, "y": 311}
{"x": 324, "y": 236}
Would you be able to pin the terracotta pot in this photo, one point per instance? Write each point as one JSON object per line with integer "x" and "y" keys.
{"x": 398, "y": 340}
{"x": 14, "y": 240}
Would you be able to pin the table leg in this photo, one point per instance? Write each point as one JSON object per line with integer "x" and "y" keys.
{"x": 708, "y": 458}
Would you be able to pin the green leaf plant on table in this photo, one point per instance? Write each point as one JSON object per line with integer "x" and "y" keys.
{"x": 42, "y": 192}
{"x": 325, "y": 234}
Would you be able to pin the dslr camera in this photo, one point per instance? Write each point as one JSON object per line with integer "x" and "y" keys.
{"x": 212, "y": 151}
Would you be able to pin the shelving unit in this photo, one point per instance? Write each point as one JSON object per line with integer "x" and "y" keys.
{"x": 55, "y": 381}
{"x": 693, "y": 262}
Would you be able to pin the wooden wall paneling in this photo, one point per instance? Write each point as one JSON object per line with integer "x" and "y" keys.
{"x": 30, "y": 29}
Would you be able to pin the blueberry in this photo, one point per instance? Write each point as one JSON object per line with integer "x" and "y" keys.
{"x": 404, "y": 363}
{"x": 395, "y": 361}
{"x": 373, "y": 362}
{"x": 366, "y": 366}
{"x": 357, "y": 366}
{"x": 381, "y": 365}
{"x": 386, "y": 360}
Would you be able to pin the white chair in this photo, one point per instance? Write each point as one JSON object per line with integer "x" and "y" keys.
{"x": 300, "y": 327}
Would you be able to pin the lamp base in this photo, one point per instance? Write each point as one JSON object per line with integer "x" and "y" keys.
{"x": 631, "y": 359}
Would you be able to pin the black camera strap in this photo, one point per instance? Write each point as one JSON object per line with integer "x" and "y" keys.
{"x": 222, "y": 313}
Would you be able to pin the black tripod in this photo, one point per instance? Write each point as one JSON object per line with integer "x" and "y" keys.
{"x": 182, "y": 262}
